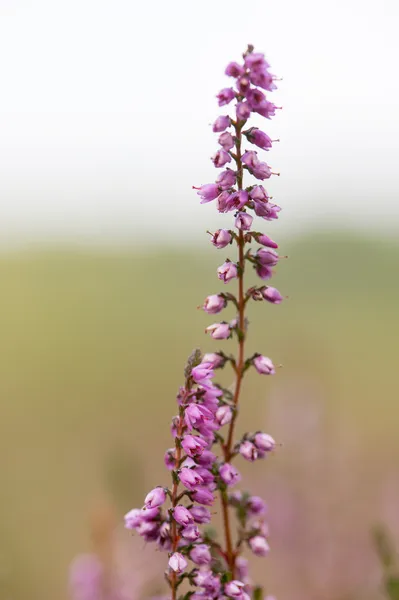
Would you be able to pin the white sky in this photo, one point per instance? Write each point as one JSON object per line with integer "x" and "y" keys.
{"x": 105, "y": 109}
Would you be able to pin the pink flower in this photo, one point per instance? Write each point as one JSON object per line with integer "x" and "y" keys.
{"x": 227, "y": 271}
{"x": 264, "y": 239}
{"x": 191, "y": 533}
{"x": 226, "y": 179}
{"x": 182, "y": 515}
{"x": 201, "y": 514}
{"x": 219, "y": 331}
{"x": 156, "y": 497}
{"x": 259, "y": 169}
{"x": 225, "y": 96}
{"x": 255, "y": 60}
{"x": 193, "y": 445}
{"x": 243, "y": 221}
{"x": 203, "y": 496}
{"x": 267, "y": 256}
{"x": 264, "y": 442}
{"x": 196, "y": 414}
{"x": 264, "y": 365}
{"x": 266, "y": 109}
{"x": 233, "y": 69}
{"x": 177, "y": 562}
{"x": 264, "y": 271}
{"x": 221, "y": 123}
{"x": 208, "y": 192}
{"x": 229, "y": 474}
{"x": 259, "y": 545}
{"x": 224, "y": 415}
{"x": 200, "y": 554}
{"x": 202, "y": 372}
{"x": 237, "y": 200}
{"x": 215, "y": 359}
{"x": 248, "y": 451}
{"x": 271, "y": 295}
{"x": 189, "y": 478}
{"x": 221, "y": 238}
{"x": 243, "y": 111}
{"x": 221, "y": 158}
{"x": 226, "y": 140}
{"x": 214, "y": 304}
{"x": 259, "y": 138}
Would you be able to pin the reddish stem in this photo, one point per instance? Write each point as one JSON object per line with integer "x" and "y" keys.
{"x": 239, "y": 365}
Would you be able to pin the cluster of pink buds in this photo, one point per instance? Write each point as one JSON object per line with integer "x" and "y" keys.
{"x": 175, "y": 517}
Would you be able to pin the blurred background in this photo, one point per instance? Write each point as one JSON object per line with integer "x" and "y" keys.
{"x": 104, "y": 117}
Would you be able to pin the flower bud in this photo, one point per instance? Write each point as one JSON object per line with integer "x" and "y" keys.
{"x": 255, "y": 98}
{"x": 200, "y": 555}
{"x": 221, "y": 123}
{"x": 195, "y": 415}
{"x": 272, "y": 295}
{"x": 221, "y": 158}
{"x": 255, "y": 61}
{"x": 263, "y": 79}
{"x": 227, "y": 271}
{"x": 226, "y": 179}
{"x": 263, "y": 271}
{"x": 191, "y": 533}
{"x": 229, "y": 474}
{"x": 169, "y": 459}
{"x": 201, "y": 514}
{"x": 225, "y": 96}
{"x": 259, "y": 545}
{"x": 234, "y": 589}
{"x": 259, "y": 138}
{"x": 255, "y": 505}
{"x": 264, "y": 442}
{"x": 243, "y": 111}
{"x": 266, "y": 109}
{"x": 259, "y": 193}
{"x": 267, "y": 257}
{"x": 226, "y": 140}
{"x": 243, "y": 221}
{"x": 214, "y": 304}
{"x": 189, "y": 478}
{"x": 202, "y": 372}
{"x": 193, "y": 445}
{"x": 224, "y": 415}
{"x": 259, "y": 169}
{"x": 242, "y": 568}
{"x": 206, "y": 459}
{"x": 219, "y": 331}
{"x": 221, "y": 238}
{"x": 237, "y": 200}
{"x": 133, "y": 518}
{"x": 215, "y": 359}
{"x": 233, "y": 69}
{"x": 264, "y": 239}
{"x": 177, "y": 562}
{"x": 155, "y": 498}
{"x": 248, "y": 451}
{"x": 264, "y": 365}
{"x": 203, "y": 496}
{"x": 182, "y": 515}
{"x": 208, "y": 192}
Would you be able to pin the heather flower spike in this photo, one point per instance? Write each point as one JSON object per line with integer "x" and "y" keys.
{"x": 175, "y": 518}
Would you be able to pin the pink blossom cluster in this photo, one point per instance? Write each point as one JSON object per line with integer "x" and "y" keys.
{"x": 205, "y": 445}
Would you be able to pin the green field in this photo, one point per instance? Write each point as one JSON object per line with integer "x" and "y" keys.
{"x": 93, "y": 344}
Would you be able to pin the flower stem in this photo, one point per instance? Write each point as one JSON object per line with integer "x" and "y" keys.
{"x": 175, "y": 499}
{"x": 239, "y": 365}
